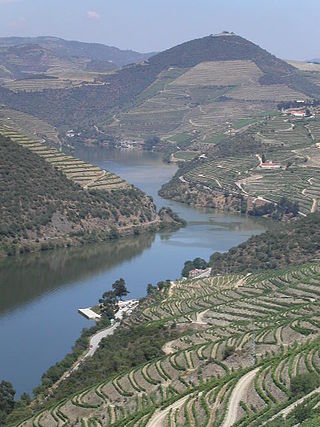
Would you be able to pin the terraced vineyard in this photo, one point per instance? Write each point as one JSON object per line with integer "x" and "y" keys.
{"x": 201, "y": 101}
{"x": 243, "y": 341}
{"x": 292, "y": 144}
{"x": 37, "y": 85}
{"x": 29, "y": 125}
{"x": 82, "y": 173}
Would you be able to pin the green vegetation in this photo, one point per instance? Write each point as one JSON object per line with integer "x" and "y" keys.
{"x": 234, "y": 166}
{"x": 204, "y": 328}
{"x": 290, "y": 244}
{"x": 109, "y": 303}
{"x": 6, "y": 400}
{"x": 197, "y": 263}
{"x": 42, "y": 209}
{"x": 153, "y": 92}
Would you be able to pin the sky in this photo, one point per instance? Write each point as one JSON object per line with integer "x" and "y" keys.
{"x": 287, "y": 28}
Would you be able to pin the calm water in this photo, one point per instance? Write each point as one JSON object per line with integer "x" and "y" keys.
{"x": 40, "y": 293}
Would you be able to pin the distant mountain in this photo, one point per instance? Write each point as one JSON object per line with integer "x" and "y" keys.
{"x": 66, "y": 49}
{"x": 315, "y": 61}
{"x": 209, "y": 70}
{"x": 17, "y": 60}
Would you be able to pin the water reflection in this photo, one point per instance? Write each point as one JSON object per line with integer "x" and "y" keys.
{"x": 25, "y": 278}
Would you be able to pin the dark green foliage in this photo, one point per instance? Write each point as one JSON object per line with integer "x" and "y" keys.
{"x": 126, "y": 349}
{"x": 151, "y": 142}
{"x": 7, "y": 393}
{"x": 301, "y": 412}
{"x": 37, "y": 201}
{"x": 110, "y": 299}
{"x": 277, "y": 212}
{"x": 292, "y": 243}
{"x": 56, "y": 371}
{"x": 151, "y": 289}
{"x": 120, "y": 289}
{"x": 302, "y": 384}
{"x": 66, "y": 107}
{"x": 197, "y": 263}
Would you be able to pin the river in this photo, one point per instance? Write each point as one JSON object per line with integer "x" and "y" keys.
{"x": 40, "y": 293}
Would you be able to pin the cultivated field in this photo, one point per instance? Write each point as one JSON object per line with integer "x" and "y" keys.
{"x": 82, "y": 173}
{"x": 293, "y": 144}
{"x": 244, "y": 339}
{"x": 200, "y": 102}
{"x": 29, "y": 125}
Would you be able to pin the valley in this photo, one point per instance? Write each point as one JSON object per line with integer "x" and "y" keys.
{"x": 94, "y": 140}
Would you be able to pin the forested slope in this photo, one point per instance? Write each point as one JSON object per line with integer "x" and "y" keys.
{"x": 289, "y": 244}
{"x": 41, "y": 208}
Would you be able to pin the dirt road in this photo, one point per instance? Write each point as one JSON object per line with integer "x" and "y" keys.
{"x": 236, "y": 397}
{"x": 159, "y": 417}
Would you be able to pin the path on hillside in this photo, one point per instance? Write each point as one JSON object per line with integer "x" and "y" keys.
{"x": 94, "y": 180}
{"x": 289, "y": 408}
{"x": 314, "y": 205}
{"x": 95, "y": 340}
{"x": 127, "y": 307}
{"x": 236, "y": 397}
{"x": 159, "y": 417}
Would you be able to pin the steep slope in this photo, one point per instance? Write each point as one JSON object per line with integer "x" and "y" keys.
{"x": 253, "y": 354}
{"x": 291, "y": 244}
{"x": 42, "y": 209}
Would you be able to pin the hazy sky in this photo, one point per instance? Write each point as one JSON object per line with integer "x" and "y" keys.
{"x": 288, "y": 28}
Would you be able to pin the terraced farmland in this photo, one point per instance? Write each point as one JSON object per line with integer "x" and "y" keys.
{"x": 82, "y": 173}
{"x": 37, "y": 85}
{"x": 220, "y": 73}
{"x": 292, "y": 144}
{"x": 201, "y": 101}
{"x": 244, "y": 339}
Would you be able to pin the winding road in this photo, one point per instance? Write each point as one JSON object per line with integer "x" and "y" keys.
{"x": 127, "y": 307}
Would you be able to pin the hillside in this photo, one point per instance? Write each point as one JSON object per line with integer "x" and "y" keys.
{"x": 291, "y": 244}
{"x": 39, "y": 58}
{"x": 71, "y": 48}
{"x": 231, "y": 175}
{"x": 238, "y": 349}
{"x": 42, "y": 209}
{"x": 175, "y": 94}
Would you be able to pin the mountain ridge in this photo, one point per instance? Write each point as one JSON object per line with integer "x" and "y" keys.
{"x": 67, "y": 48}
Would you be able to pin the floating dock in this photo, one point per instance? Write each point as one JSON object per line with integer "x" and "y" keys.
{"x": 89, "y": 314}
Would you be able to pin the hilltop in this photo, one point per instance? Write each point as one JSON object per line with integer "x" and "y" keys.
{"x": 174, "y": 94}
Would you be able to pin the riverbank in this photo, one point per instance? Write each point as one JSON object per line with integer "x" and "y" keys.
{"x": 75, "y": 277}
{"x": 125, "y": 308}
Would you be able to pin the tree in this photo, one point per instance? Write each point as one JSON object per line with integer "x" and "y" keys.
{"x": 301, "y": 412}
{"x": 120, "y": 289}
{"x": 108, "y": 298}
{"x": 150, "y": 142}
{"x": 304, "y": 383}
{"x": 7, "y": 393}
{"x": 151, "y": 289}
